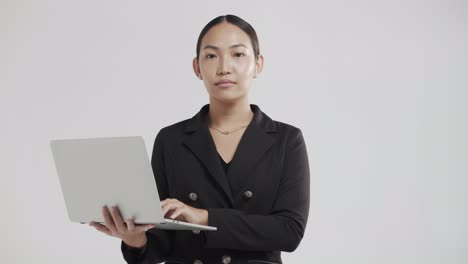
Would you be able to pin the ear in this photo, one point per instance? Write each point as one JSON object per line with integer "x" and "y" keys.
{"x": 196, "y": 68}
{"x": 258, "y": 65}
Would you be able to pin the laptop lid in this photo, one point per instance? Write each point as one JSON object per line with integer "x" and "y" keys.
{"x": 95, "y": 172}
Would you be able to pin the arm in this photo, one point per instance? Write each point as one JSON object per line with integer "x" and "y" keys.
{"x": 284, "y": 227}
{"x": 159, "y": 242}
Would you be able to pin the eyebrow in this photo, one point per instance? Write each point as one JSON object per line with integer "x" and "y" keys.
{"x": 216, "y": 48}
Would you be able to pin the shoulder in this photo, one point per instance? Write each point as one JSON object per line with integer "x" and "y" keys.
{"x": 172, "y": 131}
{"x": 287, "y": 128}
{"x": 288, "y": 132}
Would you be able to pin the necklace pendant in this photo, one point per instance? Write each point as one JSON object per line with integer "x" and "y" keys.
{"x": 225, "y": 132}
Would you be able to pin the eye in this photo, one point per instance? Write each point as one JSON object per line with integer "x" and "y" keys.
{"x": 210, "y": 56}
{"x": 239, "y": 54}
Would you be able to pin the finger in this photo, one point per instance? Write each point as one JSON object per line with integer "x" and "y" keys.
{"x": 108, "y": 221}
{"x": 119, "y": 223}
{"x": 170, "y": 206}
{"x": 171, "y": 202}
{"x": 180, "y": 209}
{"x": 144, "y": 228}
{"x": 183, "y": 210}
{"x": 147, "y": 227}
{"x": 167, "y": 200}
{"x": 165, "y": 207}
{"x": 130, "y": 224}
{"x": 101, "y": 228}
{"x": 150, "y": 226}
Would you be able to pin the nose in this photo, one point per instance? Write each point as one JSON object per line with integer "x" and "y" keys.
{"x": 224, "y": 67}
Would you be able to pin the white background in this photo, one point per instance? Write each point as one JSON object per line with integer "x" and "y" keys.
{"x": 379, "y": 89}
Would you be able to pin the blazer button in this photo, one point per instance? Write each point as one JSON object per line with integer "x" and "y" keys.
{"x": 248, "y": 195}
{"x": 193, "y": 196}
{"x": 197, "y": 261}
{"x": 226, "y": 259}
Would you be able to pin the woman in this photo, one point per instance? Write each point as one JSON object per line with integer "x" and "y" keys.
{"x": 229, "y": 166}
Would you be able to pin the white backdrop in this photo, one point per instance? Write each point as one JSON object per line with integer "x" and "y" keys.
{"x": 377, "y": 87}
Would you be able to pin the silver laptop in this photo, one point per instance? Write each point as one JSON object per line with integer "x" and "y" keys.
{"x": 95, "y": 172}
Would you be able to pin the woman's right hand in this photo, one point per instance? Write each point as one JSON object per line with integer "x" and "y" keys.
{"x": 131, "y": 234}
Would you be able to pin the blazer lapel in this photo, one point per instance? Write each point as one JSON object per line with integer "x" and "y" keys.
{"x": 255, "y": 141}
{"x": 201, "y": 143}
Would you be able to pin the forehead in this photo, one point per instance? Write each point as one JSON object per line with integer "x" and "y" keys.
{"x": 224, "y": 35}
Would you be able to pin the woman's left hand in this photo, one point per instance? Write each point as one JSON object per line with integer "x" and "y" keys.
{"x": 180, "y": 211}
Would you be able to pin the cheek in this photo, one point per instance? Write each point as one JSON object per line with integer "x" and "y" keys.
{"x": 207, "y": 68}
{"x": 246, "y": 68}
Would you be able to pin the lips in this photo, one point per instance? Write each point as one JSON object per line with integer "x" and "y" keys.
{"x": 224, "y": 82}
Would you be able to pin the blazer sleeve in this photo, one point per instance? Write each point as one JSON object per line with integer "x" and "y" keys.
{"x": 159, "y": 242}
{"x": 284, "y": 227}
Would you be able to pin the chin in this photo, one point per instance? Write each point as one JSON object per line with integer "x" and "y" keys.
{"x": 228, "y": 99}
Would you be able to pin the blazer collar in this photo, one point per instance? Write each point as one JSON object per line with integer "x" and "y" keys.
{"x": 255, "y": 141}
{"x": 260, "y": 120}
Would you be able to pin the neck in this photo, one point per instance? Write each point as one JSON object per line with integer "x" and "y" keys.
{"x": 229, "y": 115}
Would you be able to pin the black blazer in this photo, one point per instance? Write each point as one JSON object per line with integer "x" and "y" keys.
{"x": 260, "y": 207}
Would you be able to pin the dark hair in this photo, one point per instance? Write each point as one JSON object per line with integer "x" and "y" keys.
{"x": 237, "y": 21}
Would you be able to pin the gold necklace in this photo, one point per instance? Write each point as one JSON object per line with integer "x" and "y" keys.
{"x": 226, "y": 132}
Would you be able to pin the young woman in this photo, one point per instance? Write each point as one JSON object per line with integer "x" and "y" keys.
{"x": 229, "y": 166}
